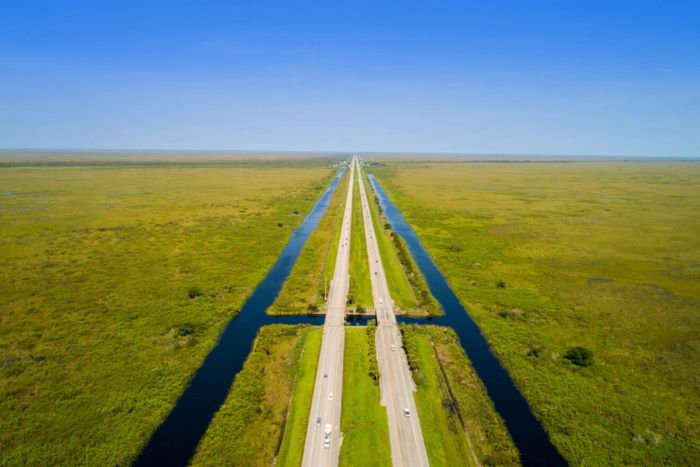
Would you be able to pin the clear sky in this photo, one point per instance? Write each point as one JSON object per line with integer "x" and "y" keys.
{"x": 550, "y": 77}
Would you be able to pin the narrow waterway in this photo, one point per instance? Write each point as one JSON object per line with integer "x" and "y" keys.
{"x": 530, "y": 438}
{"x": 176, "y": 439}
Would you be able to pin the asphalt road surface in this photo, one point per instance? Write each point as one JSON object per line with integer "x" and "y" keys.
{"x": 319, "y": 449}
{"x": 397, "y": 386}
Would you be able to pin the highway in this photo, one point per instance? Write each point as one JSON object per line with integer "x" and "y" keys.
{"x": 320, "y": 450}
{"x": 397, "y": 386}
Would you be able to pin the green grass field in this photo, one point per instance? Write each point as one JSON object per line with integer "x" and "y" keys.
{"x": 548, "y": 256}
{"x": 459, "y": 423}
{"x": 303, "y": 291}
{"x": 116, "y": 281}
{"x": 248, "y": 427}
{"x": 406, "y": 284}
{"x": 364, "y": 421}
{"x": 292, "y": 446}
{"x": 360, "y": 292}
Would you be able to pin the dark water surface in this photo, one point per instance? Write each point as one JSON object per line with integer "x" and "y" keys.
{"x": 530, "y": 438}
{"x": 176, "y": 439}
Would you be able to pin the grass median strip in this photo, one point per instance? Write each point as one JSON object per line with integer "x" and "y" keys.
{"x": 364, "y": 421}
{"x": 360, "y": 292}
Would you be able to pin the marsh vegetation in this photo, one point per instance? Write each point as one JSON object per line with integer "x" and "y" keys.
{"x": 549, "y": 257}
{"x": 117, "y": 279}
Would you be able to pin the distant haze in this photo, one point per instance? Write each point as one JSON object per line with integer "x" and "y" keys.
{"x": 502, "y": 77}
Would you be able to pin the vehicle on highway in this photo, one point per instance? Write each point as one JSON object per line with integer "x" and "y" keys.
{"x": 381, "y": 300}
{"x": 330, "y": 396}
{"x": 393, "y": 347}
{"x": 318, "y": 421}
{"x": 327, "y": 435}
{"x": 406, "y": 412}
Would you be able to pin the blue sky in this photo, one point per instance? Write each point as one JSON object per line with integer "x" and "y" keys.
{"x": 555, "y": 77}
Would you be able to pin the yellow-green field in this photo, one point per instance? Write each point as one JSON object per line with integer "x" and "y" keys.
{"x": 116, "y": 281}
{"x": 549, "y": 256}
{"x": 248, "y": 427}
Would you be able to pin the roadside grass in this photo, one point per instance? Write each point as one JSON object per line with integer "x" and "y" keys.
{"x": 360, "y": 291}
{"x": 98, "y": 333}
{"x": 407, "y": 285}
{"x": 460, "y": 424}
{"x": 364, "y": 421}
{"x": 247, "y": 428}
{"x": 304, "y": 289}
{"x": 292, "y": 446}
{"x": 550, "y": 256}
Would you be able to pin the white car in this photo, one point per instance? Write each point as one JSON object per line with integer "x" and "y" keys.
{"x": 393, "y": 348}
{"x": 330, "y": 396}
{"x": 406, "y": 412}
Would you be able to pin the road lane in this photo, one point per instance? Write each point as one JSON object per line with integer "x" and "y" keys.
{"x": 397, "y": 386}
{"x": 327, "y": 398}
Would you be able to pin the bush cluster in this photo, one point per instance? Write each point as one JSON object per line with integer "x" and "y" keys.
{"x": 372, "y": 352}
{"x": 411, "y": 347}
{"x": 579, "y": 356}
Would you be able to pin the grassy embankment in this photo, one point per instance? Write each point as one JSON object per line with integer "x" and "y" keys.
{"x": 360, "y": 292}
{"x": 460, "y": 425}
{"x": 291, "y": 449}
{"x": 304, "y": 289}
{"x": 247, "y": 429}
{"x": 549, "y": 256}
{"x": 407, "y": 285}
{"x": 364, "y": 421}
{"x": 116, "y": 281}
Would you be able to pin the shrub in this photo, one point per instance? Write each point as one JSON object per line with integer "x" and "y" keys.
{"x": 280, "y": 224}
{"x": 501, "y": 284}
{"x": 454, "y": 248}
{"x": 372, "y": 351}
{"x": 579, "y": 356}
{"x": 185, "y": 329}
{"x": 194, "y": 292}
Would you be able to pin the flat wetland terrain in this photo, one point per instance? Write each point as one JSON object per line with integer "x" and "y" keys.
{"x": 116, "y": 282}
{"x": 549, "y": 256}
